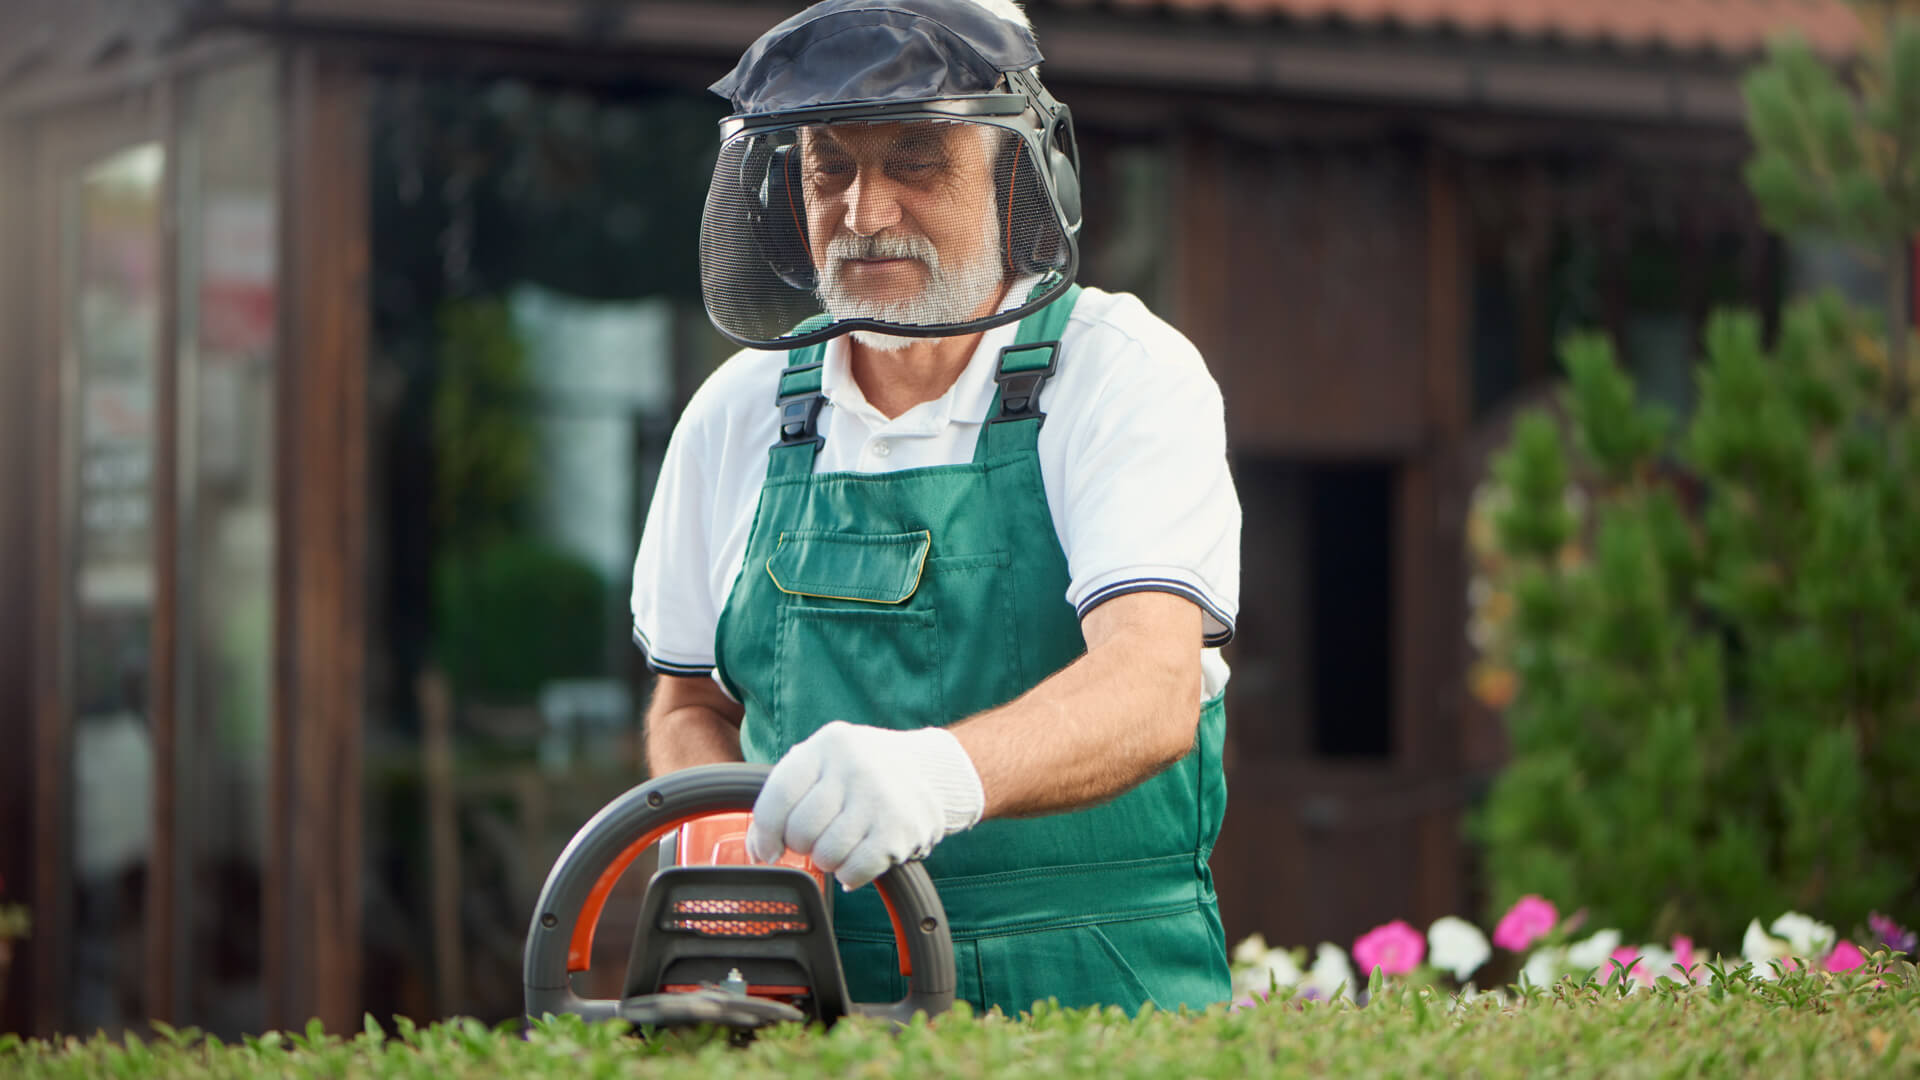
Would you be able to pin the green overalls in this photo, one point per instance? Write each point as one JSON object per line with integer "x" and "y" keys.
{"x": 921, "y": 597}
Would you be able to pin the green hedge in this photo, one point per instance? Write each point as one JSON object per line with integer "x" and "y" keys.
{"x": 1798, "y": 1024}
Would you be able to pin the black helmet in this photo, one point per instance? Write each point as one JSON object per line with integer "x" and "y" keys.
{"x": 892, "y": 165}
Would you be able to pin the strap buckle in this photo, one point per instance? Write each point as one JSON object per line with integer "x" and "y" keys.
{"x": 800, "y": 420}
{"x": 800, "y": 411}
{"x": 1020, "y": 388}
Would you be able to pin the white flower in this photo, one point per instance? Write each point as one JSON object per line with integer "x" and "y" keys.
{"x": 1251, "y": 951}
{"x": 1757, "y": 948}
{"x": 1330, "y": 969}
{"x": 1457, "y": 946}
{"x": 1276, "y": 968}
{"x": 1591, "y": 954}
{"x": 1810, "y": 940}
{"x": 1544, "y": 966}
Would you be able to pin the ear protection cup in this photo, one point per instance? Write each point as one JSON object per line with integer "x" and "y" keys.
{"x": 1031, "y": 241}
{"x": 1063, "y": 161}
{"x": 777, "y": 212}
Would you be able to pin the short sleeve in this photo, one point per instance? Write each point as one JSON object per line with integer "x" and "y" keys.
{"x": 1149, "y": 502}
{"x": 674, "y": 612}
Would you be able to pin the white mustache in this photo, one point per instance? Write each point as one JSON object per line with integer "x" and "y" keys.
{"x": 846, "y": 246}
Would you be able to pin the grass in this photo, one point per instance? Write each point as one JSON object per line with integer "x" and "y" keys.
{"x": 1799, "y": 1024}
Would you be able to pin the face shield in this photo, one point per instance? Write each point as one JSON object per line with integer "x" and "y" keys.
{"x": 914, "y": 219}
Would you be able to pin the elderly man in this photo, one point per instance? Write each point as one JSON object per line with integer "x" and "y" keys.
{"x": 953, "y": 542}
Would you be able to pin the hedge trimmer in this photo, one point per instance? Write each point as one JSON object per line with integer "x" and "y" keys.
{"x": 721, "y": 940}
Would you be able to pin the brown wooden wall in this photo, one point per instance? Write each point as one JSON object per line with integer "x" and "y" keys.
{"x": 1322, "y": 280}
{"x": 1302, "y": 285}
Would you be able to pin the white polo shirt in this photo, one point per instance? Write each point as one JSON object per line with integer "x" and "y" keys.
{"x": 1132, "y": 454}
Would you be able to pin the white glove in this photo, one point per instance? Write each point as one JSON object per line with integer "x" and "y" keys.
{"x": 860, "y": 799}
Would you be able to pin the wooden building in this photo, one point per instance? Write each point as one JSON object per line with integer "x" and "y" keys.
{"x": 285, "y": 284}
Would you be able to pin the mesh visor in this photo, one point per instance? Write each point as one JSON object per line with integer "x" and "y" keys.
{"x": 917, "y": 227}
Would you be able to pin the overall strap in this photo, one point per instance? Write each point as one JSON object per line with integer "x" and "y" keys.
{"x": 1013, "y": 423}
{"x": 800, "y": 400}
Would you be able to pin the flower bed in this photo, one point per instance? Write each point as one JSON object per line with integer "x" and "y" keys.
{"x": 1542, "y": 944}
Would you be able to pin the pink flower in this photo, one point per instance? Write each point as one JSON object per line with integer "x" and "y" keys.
{"x": 1529, "y": 918}
{"x": 1683, "y": 955}
{"x": 1395, "y": 948}
{"x": 1845, "y": 957}
{"x": 1625, "y": 956}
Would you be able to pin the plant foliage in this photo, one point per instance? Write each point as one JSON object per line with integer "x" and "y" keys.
{"x": 1713, "y": 630}
{"x": 1737, "y": 1024}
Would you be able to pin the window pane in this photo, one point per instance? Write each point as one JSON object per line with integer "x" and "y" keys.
{"x": 537, "y": 325}
{"x": 228, "y": 307}
{"x": 111, "y": 263}
{"x": 1126, "y": 244}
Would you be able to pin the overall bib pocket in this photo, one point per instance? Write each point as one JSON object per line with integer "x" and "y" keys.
{"x": 850, "y": 646}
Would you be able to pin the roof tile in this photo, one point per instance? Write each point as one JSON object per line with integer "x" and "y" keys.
{"x": 1728, "y": 27}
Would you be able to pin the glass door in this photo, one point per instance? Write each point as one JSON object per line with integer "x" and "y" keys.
{"x": 112, "y": 299}
{"x": 159, "y": 235}
{"x": 226, "y": 363}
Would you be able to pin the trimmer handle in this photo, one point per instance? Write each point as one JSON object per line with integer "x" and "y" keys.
{"x": 560, "y": 939}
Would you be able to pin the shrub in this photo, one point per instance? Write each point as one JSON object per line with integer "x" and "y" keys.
{"x": 1712, "y": 632}
{"x": 1738, "y": 1025}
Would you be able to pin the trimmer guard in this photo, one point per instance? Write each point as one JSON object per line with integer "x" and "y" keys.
{"x": 763, "y": 926}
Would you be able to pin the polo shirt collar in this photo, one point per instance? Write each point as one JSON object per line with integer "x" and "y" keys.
{"x": 965, "y": 402}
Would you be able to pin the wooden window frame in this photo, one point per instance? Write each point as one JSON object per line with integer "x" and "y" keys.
{"x": 312, "y": 915}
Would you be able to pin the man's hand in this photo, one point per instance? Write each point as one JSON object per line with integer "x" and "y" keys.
{"x": 859, "y": 799}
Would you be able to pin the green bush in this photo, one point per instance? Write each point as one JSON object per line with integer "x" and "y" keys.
{"x": 1717, "y": 704}
{"x": 1799, "y": 1024}
{"x": 516, "y": 614}
{"x": 1712, "y": 634}
{"x": 510, "y": 611}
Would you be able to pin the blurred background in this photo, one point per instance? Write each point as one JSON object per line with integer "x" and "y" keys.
{"x": 340, "y": 342}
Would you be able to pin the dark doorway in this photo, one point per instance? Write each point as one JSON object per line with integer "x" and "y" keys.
{"x": 1350, "y": 545}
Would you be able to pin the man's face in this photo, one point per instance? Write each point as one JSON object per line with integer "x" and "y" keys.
{"x": 900, "y": 220}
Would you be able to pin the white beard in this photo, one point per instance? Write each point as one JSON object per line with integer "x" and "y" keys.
{"x": 953, "y": 293}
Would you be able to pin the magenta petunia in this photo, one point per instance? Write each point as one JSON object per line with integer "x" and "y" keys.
{"x": 1625, "y": 956}
{"x": 1683, "y": 955}
{"x": 1845, "y": 957}
{"x": 1395, "y": 948}
{"x": 1892, "y": 934}
{"x": 1530, "y": 917}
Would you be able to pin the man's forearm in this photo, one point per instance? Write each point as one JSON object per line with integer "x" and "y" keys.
{"x": 1108, "y": 721}
{"x": 689, "y": 735}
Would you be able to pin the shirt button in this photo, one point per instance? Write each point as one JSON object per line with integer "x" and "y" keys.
{"x": 881, "y": 449}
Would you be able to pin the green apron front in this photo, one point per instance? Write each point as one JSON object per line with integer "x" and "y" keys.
{"x": 918, "y": 598}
